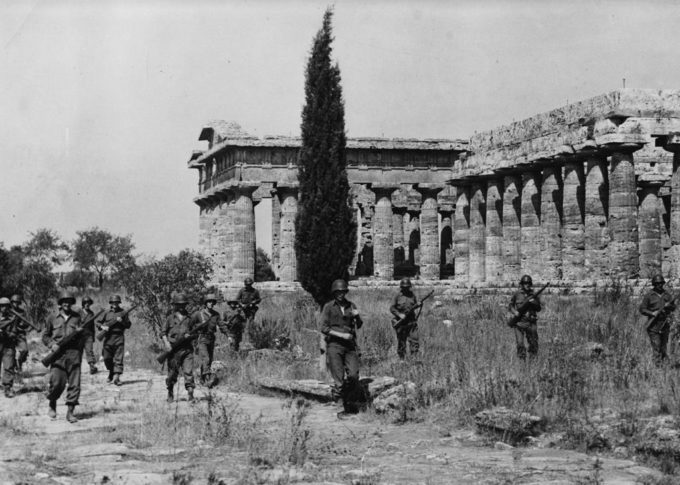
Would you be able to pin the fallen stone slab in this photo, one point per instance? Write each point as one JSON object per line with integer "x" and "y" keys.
{"x": 512, "y": 424}
{"x": 321, "y": 391}
{"x": 98, "y": 450}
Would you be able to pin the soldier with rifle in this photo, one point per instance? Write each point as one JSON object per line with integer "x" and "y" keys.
{"x": 205, "y": 340}
{"x": 88, "y": 333}
{"x": 65, "y": 369}
{"x": 657, "y": 306}
{"x": 22, "y": 329}
{"x": 340, "y": 321}
{"x": 524, "y": 305}
{"x": 112, "y": 325}
{"x": 177, "y": 330}
{"x": 406, "y": 310}
{"x": 249, "y": 298}
{"x": 8, "y": 333}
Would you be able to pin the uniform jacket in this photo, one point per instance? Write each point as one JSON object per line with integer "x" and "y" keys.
{"x": 403, "y": 304}
{"x": 653, "y": 302}
{"x": 247, "y": 296}
{"x": 109, "y": 319}
{"x": 84, "y": 315}
{"x": 206, "y": 315}
{"x": 59, "y": 326}
{"x": 338, "y": 316}
{"x": 21, "y": 327}
{"x": 176, "y": 326}
{"x": 529, "y": 316}
{"x": 9, "y": 329}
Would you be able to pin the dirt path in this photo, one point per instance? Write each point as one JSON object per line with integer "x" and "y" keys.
{"x": 122, "y": 438}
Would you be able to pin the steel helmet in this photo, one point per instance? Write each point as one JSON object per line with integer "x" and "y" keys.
{"x": 16, "y": 298}
{"x": 4, "y": 301}
{"x": 115, "y": 299}
{"x": 405, "y": 283}
{"x": 248, "y": 281}
{"x": 658, "y": 279}
{"x": 66, "y": 296}
{"x": 179, "y": 299}
{"x": 526, "y": 279}
{"x": 86, "y": 299}
{"x": 210, "y": 297}
{"x": 339, "y": 285}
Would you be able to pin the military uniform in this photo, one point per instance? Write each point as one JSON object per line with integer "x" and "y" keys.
{"x": 21, "y": 345}
{"x": 527, "y": 326}
{"x": 205, "y": 342}
{"x": 8, "y": 334}
{"x": 176, "y": 326}
{"x": 407, "y": 331}
{"x": 65, "y": 371}
{"x": 235, "y": 324}
{"x": 88, "y": 340}
{"x": 113, "y": 346}
{"x": 658, "y": 332}
{"x": 249, "y": 297}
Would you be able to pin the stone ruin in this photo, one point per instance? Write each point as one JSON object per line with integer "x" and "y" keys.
{"x": 584, "y": 193}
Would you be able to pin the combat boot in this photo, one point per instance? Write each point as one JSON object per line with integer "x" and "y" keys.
{"x": 69, "y": 414}
{"x": 9, "y": 392}
{"x": 116, "y": 380}
{"x": 52, "y": 413}
{"x": 171, "y": 395}
{"x": 190, "y": 396}
{"x": 93, "y": 369}
{"x": 110, "y": 378}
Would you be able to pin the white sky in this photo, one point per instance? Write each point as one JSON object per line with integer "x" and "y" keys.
{"x": 101, "y": 103}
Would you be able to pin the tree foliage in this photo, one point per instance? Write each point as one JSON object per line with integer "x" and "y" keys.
{"x": 46, "y": 245}
{"x": 100, "y": 252}
{"x": 325, "y": 230}
{"x": 152, "y": 284}
{"x": 263, "y": 266}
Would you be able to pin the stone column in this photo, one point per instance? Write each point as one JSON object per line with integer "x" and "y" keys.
{"x": 672, "y": 144}
{"x": 222, "y": 248}
{"x": 461, "y": 235}
{"x": 551, "y": 222}
{"x": 287, "y": 259}
{"x": 649, "y": 227}
{"x": 398, "y": 235}
{"x": 407, "y": 233}
{"x": 530, "y": 231}
{"x": 446, "y": 243}
{"x": 512, "y": 210}
{"x": 573, "y": 229}
{"x": 477, "y": 238}
{"x": 383, "y": 244}
{"x": 623, "y": 249}
{"x": 429, "y": 234}
{"x": 595, "y": 219}
{"x": 276, "y": 232}
{"x": 494, "y": 231}
{"x": 244, "y": 233}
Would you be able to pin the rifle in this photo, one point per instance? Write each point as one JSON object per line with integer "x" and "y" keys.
{"x": 410, "y": 313}
{"x": 182, "y": 341}
{"x": 103, "y": 333}
{"x": 50, "y": 358}
{"x": 25, "y": 320}
{"x": 235, "y": 304}
{"x": 512, "y": 322}
{"x": 652, "y": 319}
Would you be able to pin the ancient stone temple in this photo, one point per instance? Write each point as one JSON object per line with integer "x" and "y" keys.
{"x": 586, "y": 192}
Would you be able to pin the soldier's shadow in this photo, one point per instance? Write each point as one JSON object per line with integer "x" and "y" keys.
{"x": 135, "y": 381}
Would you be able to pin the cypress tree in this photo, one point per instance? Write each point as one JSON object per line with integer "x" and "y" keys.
{"x": 324, "y": 227}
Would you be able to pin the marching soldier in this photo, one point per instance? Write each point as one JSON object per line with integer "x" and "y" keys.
{"x": 404, "y": 319}
{"x": 88, "y": 334}
{"x": 22, "y": 329}
{"x": 114, "y": 322}
{"x": 178, "y": 325}
{"x": 339, "y": 322}
{"x": 65, "y": 371}
{"x": 658, "y": 305}
{"x": 249, "y": 298}
{"x": 8, "y": 333}
{"x": 205, "y": 342}
{"x": 526, "y": 326}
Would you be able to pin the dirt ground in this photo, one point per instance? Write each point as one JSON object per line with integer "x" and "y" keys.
{"x": 107, "y": 446}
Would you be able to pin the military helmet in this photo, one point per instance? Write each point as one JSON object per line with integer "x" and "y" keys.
{"x": 248, "y": 281}
{"x": 339, "y": 285}
{"x": 658, "y": 279}
{"x": 115, "y": 299}
{"x": 405, "y": 283}
{"x": 66, "y": 296}
{"x": 86, "y": 299}
{"x": 179, "y": 299}
{"x": 16, "y": 298}
{"x": 4, "y": 301}
{"x": 210, "y": 297}
{"x": 526, "y": 279}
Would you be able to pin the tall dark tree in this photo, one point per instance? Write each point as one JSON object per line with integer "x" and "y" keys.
{"x": 324, "y": 227}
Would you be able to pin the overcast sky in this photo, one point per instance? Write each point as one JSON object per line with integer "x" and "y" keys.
{"x": 101, "y": 103}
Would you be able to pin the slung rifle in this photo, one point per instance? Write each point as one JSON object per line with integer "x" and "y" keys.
{"x": 25, "y": 320}
{"x": 514, "y": 320}
{"x": 410, "y": 316}
{"x": 182, "y": 341}
{"x": 116, "y": 323}
{"x": 651, "y": 320}
{"x": 50, "y": 358}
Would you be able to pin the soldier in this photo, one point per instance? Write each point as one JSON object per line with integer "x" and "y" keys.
{"x": 205, "y": 342}
{"x": 22, "y": 329}
{"x": 8, "y": 333}
{"x": 249, "y": 298}
{"x": 339, "y": 322}
{"x": 88, "y": 333}
{"x": 114, "y": 322}
{"x": 178, "y": 325}
{"x": 658, "y": 305}
{"x": 66, "y": 369}
{"x": 526, "y": 325}
{"x": 407, "y": 331}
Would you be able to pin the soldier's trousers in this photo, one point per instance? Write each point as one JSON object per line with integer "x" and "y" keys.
{"x": 204, "y": 356}
{"x": 531, "y": 335}
{"x": 7, "y": 352}
{"x": 343, "y": 364}
{"x": 659, "y": 341}
{"x": 89, "y": 349}
{"x": 21, "y": 350}
{"x": 407, "y": 334}
{"x": 65, "y": 374}
{"x": 236, "y": 333}
{"x": 113, "y": 352}
{"x": 181, "y": 360}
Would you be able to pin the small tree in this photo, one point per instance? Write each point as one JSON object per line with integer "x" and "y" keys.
{"x": 46, "y": 245}
{"x": 152, "y": 284}
{"x": 263, "y": 267}
{"x": 324, "y": 227}
{"x": 100, "y": 252}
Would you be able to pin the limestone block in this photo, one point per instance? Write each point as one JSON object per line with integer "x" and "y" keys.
{"x": 429, "y": 236}
{"x": 595, "y": 220}
{"x": 477, "y": 242}
{"x": 530, "y": 231}
{"x": 243, "y": 234}
{"x": 461, "y": 234}
{"x": 287, "y": 259}
{"x": 623, "y": 248}
{"x": 276, "y": 233}
{"x": 396, "y": 398}
{"x": 383, "y": 247}
{"x": 512, "y": 209}
{"x": 514, "y": 424}
{"x": 551, "y": 227}
{"x": 573, "y": 228}
{"x": 649, "y": 227}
